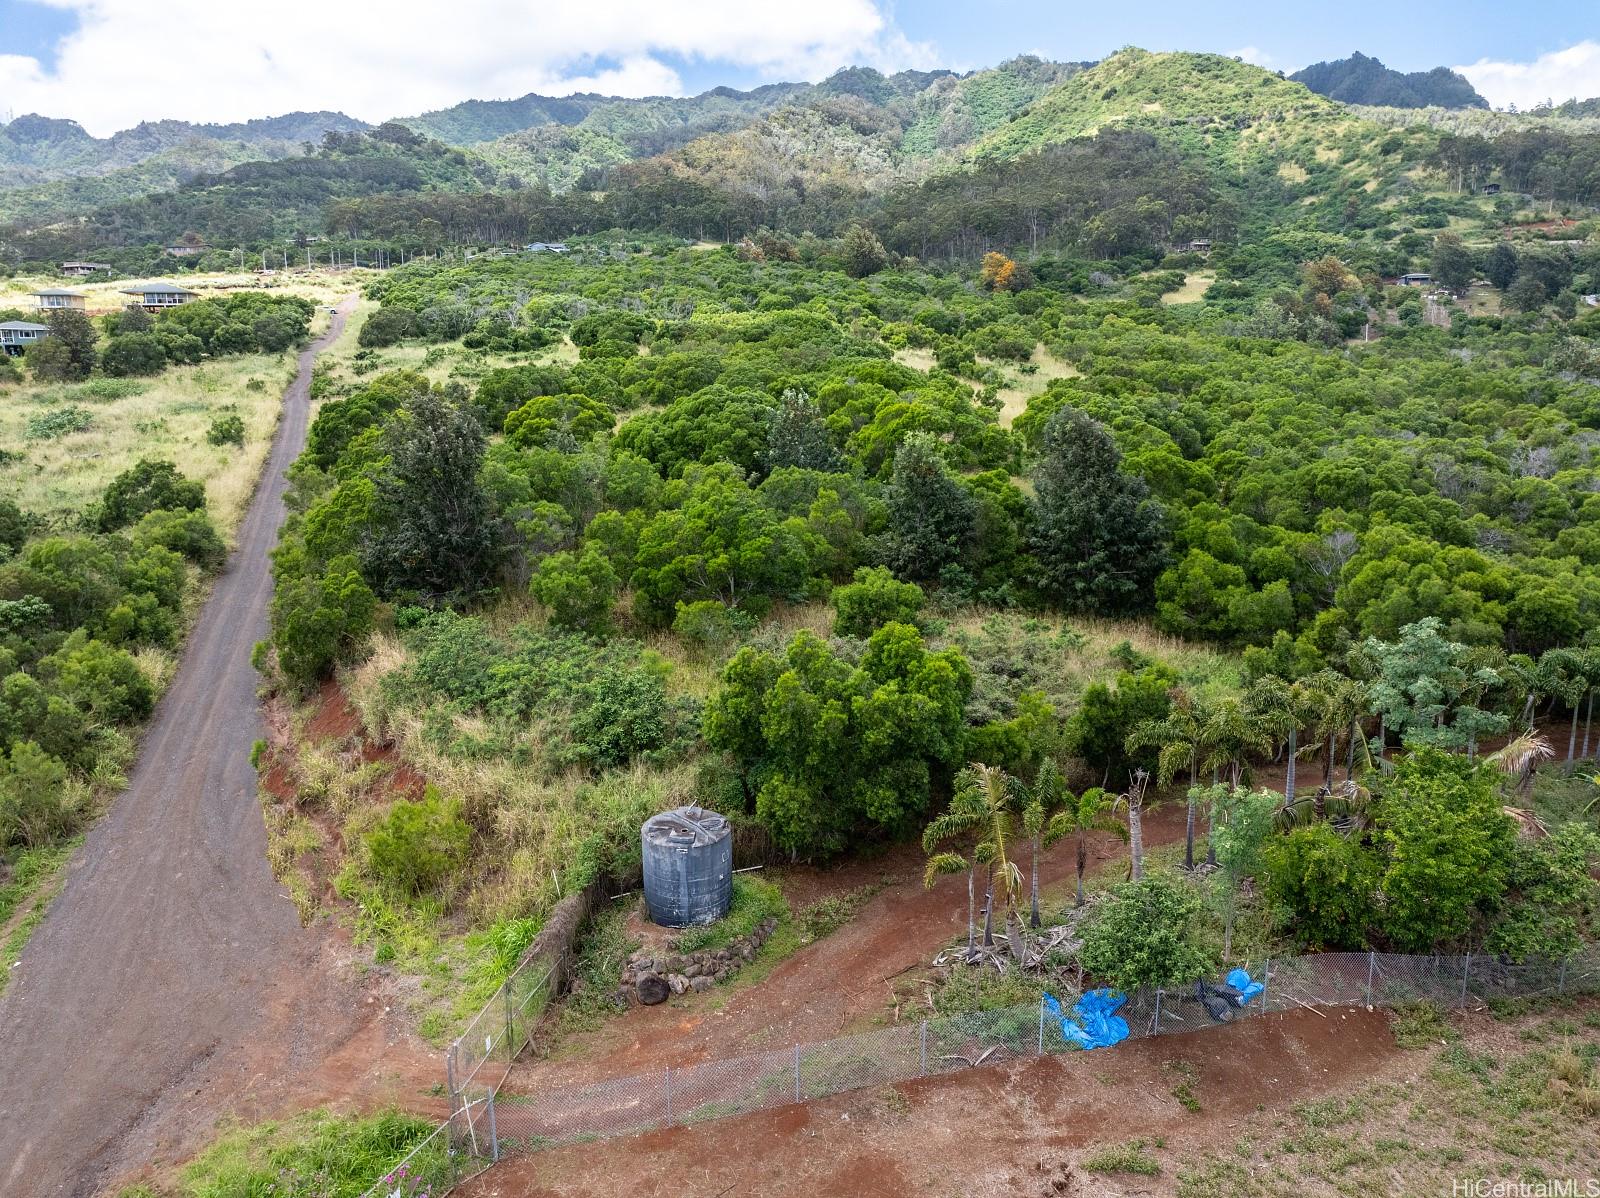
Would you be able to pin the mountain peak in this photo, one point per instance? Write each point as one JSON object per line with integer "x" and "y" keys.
{"x": 1360, "y": 79}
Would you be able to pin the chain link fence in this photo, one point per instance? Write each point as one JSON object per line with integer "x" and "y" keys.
{"x": 486, "y": 1124}
{"x": 756, "y": 1081}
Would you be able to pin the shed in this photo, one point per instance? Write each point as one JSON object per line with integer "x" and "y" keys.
{"x": 80, "y": 269}
{"x": 17, "y": 335}
{"x": 1415, "y": 279}
{"x": 688, "y": 866}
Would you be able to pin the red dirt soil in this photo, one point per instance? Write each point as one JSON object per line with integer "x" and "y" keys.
{"x": 1010, "y": 1130}
{"x": 835, "y": 985}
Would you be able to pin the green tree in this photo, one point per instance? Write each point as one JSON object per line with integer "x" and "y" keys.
{"x": 1427, "y": 688}
{"x": 433, "y": 531}
{"x": 874, "y": 599}
{"x": 1327, "y": 884}
{"x": 1452, "y": 264}
{"x": 318, "y": 621}
{"x": 1526, "y": 294}
{"x": 839, "y": 751}
{"x": 932, "y": 517}
{"x": 148, "y": 486}
{"x": 134, "y": 354}
{"x": 1179, "y": 739}
{"x": 578, "y": 588}
{"x": 73, "y": 331}
{"x": 1097, "y": 538}
{"x": 1502, "y": 265}
{"x": 1448, "y": 846}
{"x": 1241, "y": 823}
{"x": 799, "y": 436}
{"x": 1147, "y": 934}
{"x": 558, "y": 420}
{"x": 1550, "y": 890}
{"x": 862, "y": 252}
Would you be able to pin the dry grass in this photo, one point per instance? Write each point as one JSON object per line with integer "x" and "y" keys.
{"x": 1021, "y": 388}
{"x": 58, "y": 478}
{"x": 917, "y": 359}
{"x": 1193, "y": 289}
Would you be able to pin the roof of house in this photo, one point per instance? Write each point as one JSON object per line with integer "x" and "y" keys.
{"x": 159, "y": 286}
{"x": 23, "y": 326}
{"x": 57, "y": 291}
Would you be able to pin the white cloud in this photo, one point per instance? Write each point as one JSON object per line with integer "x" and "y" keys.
{"x": 226, "y": 60}
{"x": 1573, "y": 73}
{"x": 1254, "y": 55}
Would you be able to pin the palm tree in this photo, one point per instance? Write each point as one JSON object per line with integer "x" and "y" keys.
{"x": 1282, "y": 709}
{"x": 1567, "y": 679}
{"x": 1089, "y": 812}
{"x": 1134, "y": 800}
{"x": 1178, "y": 739}
{"x": 981, "y": 809}
{"x": 1519, "y": 758}
{"x": 1041, "y": 822}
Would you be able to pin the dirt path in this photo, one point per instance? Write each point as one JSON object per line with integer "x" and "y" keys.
{"x": 827, "y": 988}
{"x": 171, "y": 982}
{"x": 1011, "y": 1130}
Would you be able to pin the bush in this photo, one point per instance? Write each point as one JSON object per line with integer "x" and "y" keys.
{"x": 58, "y": 422}
{"x": 1325, "y": 884}
{"x": 419, "y": 844}
{"x": 1146, "y": 935}
{"x": 190, "y": 534}
{"x": 130, "y": 355}
{"x": 148, "y": 486}
{"x": 874, "y": 599}
{"x": 387, "y": 326}
{"x": 100, "y": 679}
{"x": 36, "y": 802}
{"x": 226, "y": 430}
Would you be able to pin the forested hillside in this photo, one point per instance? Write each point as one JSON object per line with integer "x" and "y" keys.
{"x": 1362, "y": 80}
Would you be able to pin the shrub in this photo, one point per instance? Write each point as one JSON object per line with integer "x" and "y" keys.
{"x": 1325, "y": 884}
{"x": 419, "y": 843}
{"x": 387, "y": 326}
{"x": 579, "y": 589}
{"x": 1147, "y": 934}
{"x": 130, "y": 355}
{"x": 227, "y": 429}
{"x": 191, "y": 534}
{"x": 148, "y": 486}
{"x": 58, "y": 422}
{"x": 37, "y": 805}
{"x": 99, "y": 678}
{"x": 874, "y": 599}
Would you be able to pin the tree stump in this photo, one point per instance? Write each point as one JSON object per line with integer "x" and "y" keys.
{"x": 652, "y": 989}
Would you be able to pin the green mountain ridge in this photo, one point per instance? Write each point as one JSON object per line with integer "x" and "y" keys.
{"x": 1363, "y": 80}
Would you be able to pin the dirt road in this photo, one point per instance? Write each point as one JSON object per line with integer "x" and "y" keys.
{"x": 140, "y": 1009}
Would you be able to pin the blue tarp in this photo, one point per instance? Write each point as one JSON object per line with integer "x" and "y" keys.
{"x": 1240, "y": 981}
{"x": 1098, "y": 1024}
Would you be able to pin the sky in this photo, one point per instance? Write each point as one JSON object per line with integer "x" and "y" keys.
{"x": 112, "y": 63}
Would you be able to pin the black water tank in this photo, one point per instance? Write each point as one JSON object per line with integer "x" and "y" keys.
{"x": 688, "y": 866}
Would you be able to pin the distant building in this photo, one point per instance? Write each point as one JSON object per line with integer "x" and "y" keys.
{"x": 51, "y": 298}
{"x": 545, "y": 247}
{"x": 186, "y": 251}
{"x": 17, "y": 335}
{"x": 1592, "y": 300}
{"x": 1415, "y": 279}
{"x": 79, "y": 269}
{"x": 1200, "y": 245}
{"x": 1491, "y": 189}
{"x": 159, "y": 295}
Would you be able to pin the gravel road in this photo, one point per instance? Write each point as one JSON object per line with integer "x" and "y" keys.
{"x": 171, "y": 980}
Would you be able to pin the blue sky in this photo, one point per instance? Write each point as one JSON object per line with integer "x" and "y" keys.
{"x": 91, "y": 59}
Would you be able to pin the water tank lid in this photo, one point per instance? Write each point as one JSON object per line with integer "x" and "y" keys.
{"x": 685, "y": 826}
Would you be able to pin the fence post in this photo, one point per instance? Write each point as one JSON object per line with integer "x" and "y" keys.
{"x": 924, "y": 1040}
{"x": 494, "y": 1138}
{"x": 797, "y": 1073}
{"x": 1155, "y": 1026}
{"x": 512, "y": 1047}
{"x": 668, "y": 1085}
{"x": 1466, "y": 972}
{"x": 1372, "y": 963}
{"x": 1266, "y": 986}
{"x": 1561, "y": 980}
{"x": 1041, "y": 1025}
{"x": 450, "y": 1073}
